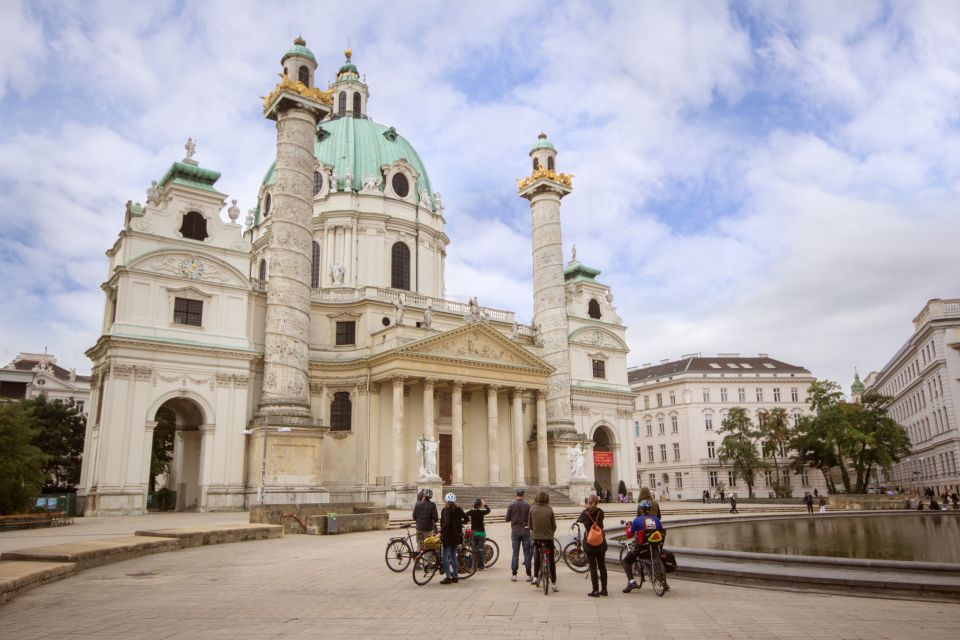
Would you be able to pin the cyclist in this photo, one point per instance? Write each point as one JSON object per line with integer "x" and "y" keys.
{"x": 476, "y": 515}
{"x": 518, "y": 515}
{"x": 543, "y": 526}
{"x": 452, "y": 519}
{"x": 425, "y": 515}
{"x": 646, "y": 528}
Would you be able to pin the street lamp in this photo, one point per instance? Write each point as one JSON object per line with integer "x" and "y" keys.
{"x": 263, "y": 463}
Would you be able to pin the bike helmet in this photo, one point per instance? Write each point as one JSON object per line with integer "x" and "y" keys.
{"x": 477, "y": 502}
{"x": 428, "y": 493}
{"x": 450, "y": 497}
{"x": 644, "y": 507}
{"x": 521, "y": 491}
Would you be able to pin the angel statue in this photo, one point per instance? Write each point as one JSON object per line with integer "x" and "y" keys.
{"x": 191, "y": 148}
{"x": 428, "y": 458}
{"x": 575, "y": 456}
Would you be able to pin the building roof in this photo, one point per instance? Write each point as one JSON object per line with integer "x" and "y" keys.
{"x": 190, "y": 175}
{"x": 299, "y": 48}
{"x": 720, "y": 364}
{"x": 58, "y": 372}
{"x": 577, "y": 271}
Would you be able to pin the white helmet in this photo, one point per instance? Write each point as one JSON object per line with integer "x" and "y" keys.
{"x": 450, "y": 497}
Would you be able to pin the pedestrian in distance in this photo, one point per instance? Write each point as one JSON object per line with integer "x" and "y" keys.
{"x": 476, "y": 515}
{"x": 592, "y": 517}
{"x": 808, "y": 500}
{"x": 543, "y": 526}
{"x": 723, "y": 497}
{"x": 733, "y": 504}
{"x": 822, "y": 504}
{"x": 706, "y": 496}
{"x": 518, "y": 513}
{"x": 425, "y": 515}
{"x": 654, "y": 505}
{"x": 452, "y": 519}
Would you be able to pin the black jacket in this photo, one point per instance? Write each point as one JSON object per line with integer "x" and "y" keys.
{"x": 476, "y": 518}
{"x": 425, "y": 515}
{"x": 587, "y": 519}
{"x": 452, "y": 520}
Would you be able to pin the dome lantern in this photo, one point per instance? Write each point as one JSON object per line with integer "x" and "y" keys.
{"x": 350, "y": 91}
{"x": 299, "y": 63}
{"x": 543, "y": 153}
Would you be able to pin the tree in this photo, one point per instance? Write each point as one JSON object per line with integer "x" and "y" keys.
{"x": 739, "y": 446}
{"x": 21, "y": 463}
{"x": 876, "y": 440}
{"x": 161, "y": 452}
{"x": 777, "y": 435}
{"x": 59, "y": 430}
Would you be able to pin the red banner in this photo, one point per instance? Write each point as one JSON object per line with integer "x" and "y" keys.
{"x": 603, "y": 458}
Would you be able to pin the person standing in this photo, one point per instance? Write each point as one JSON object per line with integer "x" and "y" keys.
{"x": 733, "y": 504}
{"x": 654, "y": 505}
{"x": 425, "y": 515}
{"x": 808, "y": 500}
{"x": 518, "y": 514}
{"x": 590, "y": 517}
{"x": 452, "y": 519}
{"x": 706, "y": 496}
{"x": 476, "y": 515}
{"x": 822, "y": 503}
{"x": 723, "y": 497}
{"x": 543, "y": 526}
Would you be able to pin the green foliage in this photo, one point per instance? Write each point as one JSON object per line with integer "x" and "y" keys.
{"x": 777, "y": 435}
{"x": 861, "y": 437}
{"x": 59, "y": 430}
{"x": 622, "y": 488}
{"x": 161, "y": 453}
{"x": 21, "y": 463}
{"x": 739, "y": 446}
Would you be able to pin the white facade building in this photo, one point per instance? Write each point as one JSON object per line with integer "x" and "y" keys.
{"x": 680, "y": 407}
{"x": 310, "y": 355}
{"x": 923, "y": 378}
{"x": 32, "y": 374}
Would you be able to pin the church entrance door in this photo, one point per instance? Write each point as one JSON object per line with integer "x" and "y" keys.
{"x": 445, "y": 462}
{"x": 603, "y": 459}
{"x": 175, "y": 455}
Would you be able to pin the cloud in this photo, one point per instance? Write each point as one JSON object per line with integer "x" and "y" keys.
{"x": 20, "y": 49}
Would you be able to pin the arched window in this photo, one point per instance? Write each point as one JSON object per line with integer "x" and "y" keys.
{"x": 536, "y": 163}
{"x": 317, "y": 182}
{"x": 550, "y": 163}
{"x": 194, "y": 226}
{"x": 401, "y": 186}
{"x": 263, "y": 270}
{"x": 315, "y": 266}
{"x": 400, "y": 266}
{"x": 267, "y": 201}
{"x": 341, "y": 412}
{"x": 342, "y": 103}
{"x": 593, "y": 309}
{"x": 356, "y": 104}
{"x": 303, "y": 75}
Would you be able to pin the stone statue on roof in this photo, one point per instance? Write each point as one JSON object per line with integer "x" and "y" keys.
{"x": 191, "y": 147}
{"x": 153, "y": 194}
{"x": 233, "y": 212}
{"x": 399, "y": 310}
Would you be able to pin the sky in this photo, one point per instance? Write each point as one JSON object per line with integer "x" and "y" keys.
{"x": 750, "y": 177}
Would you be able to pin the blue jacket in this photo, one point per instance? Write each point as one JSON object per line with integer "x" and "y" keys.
{"x": 643, "y": 526}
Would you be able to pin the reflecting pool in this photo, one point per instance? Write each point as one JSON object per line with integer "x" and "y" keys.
{"x": 926, "y": 537}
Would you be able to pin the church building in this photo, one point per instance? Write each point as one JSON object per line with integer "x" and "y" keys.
{"x": 309, "y": 355}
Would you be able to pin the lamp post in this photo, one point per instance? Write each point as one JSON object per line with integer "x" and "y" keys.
{"x": 261, "y": 491}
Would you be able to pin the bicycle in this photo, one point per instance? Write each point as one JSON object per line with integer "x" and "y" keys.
{"x": 543, "y": 577}
{"x": 651, "y": 566}
{"x": 399, "y": 552}
{"x": 574, "y": 554}
{"x": 427, "y": 561}
{"x": 491, "y": 550}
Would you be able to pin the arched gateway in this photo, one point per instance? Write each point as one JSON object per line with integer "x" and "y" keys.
{"x": 604, "y": 458}
{"x": 176, "y": 450}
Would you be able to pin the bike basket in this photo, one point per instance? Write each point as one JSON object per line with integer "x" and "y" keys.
{"x": 432, "y": 543}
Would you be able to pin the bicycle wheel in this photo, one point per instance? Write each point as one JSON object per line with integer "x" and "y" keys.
{"x": 557, "y": 548}
{"x": 491, "y": 553}
{"x": 397, "y": 555}
{"x": 545, "y": 571}
{"x": 576, "y": 557}
{"x": 659, "y": 578}
{"x": 425, "y": 567}
{"x": 467, "y": 561}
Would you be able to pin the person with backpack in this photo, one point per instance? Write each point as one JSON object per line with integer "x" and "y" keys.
{"x": 595, "y": 545}
{"x": 425, "y": 515}
{"x": 476, "y": 515}
{"x": 452, "y": 519}
{"x": 646, "y": 528}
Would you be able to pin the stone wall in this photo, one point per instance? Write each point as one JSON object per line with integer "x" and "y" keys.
{"x": 366, "y": 514}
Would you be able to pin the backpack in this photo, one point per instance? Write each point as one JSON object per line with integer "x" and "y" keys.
{"x": 595, "y": 534}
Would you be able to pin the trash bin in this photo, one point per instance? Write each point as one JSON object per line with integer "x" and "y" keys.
{"x": 331, "y": 524}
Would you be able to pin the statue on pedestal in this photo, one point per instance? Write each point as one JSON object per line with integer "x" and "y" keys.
{"x": 336, "y": 274}
{"x": 428, "y": 457}
{"x": 399, "y": 309}
{"x": 575, "y": 456}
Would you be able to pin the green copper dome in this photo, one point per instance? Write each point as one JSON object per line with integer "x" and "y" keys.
{"x": 542, "y": 143}
{"x": 299, "y": 48}
{"x": 857, "y": 387}
{"x": 348, "y": 69}
{"x": 362, "y": 146}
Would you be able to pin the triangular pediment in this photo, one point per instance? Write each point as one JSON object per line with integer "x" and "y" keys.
{"x": 477, "y": 343}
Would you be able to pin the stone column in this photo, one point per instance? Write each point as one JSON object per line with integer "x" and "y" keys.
{"x": 398, "y": 448}
{"x": 285, "y": 398}
{"x": 519, "y": 453}
{"x": 429, "y": 428}
{"x": 207, "y": 434}
{"x": 493, "y": 450}
{"x": 151, "y": 426}
{"x": 543, "y": 466}
{"x": 456, "y": 422}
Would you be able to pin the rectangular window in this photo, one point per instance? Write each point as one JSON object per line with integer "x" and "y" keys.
{"x": 805, "y": 478}
{"x": 653, "y": 480}
{"x": 79, "y": 405}
{"x": 678, "y": 480}
{"x": 676, "y": 452}
{"x": 650, "y": 453}
{"x": 706, "y": 395}
{"x": 636, "y": 428}
{"x": 639, "y": 455}
{"x": 346, "y": 332}
{"x": 599, "y": 369}
{"x": 776, "y": 394}
{"x": 673, "y": 398}
{"x": 661, "y": 428}
{"x": 663, "y": 453}
{"x": 188, "y": 312}
{"x": 646, "y": 402}
{"x": 795, "y": 394}
{"x": 708, "y": 421}
{"x": 767, "y": 479}
{"x": 673, "y": 424}
{"x": 785, "y": 478}
{"x": 742, "y": 394}
{"x": 759, "y": 394}
{"x": 649, "y": 428}
{"x": 723, "y": 395}
{"x": 711, "y": 450}
{"x": 731, "y": 479}
{"x": 712, "y": 475}
{"x": 659, "y": 399}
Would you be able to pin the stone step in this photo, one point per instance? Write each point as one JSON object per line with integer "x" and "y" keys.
{"x": 93, "y": 553}
{"x": 190, "y": 537}
{"x": 17, "y": 576}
